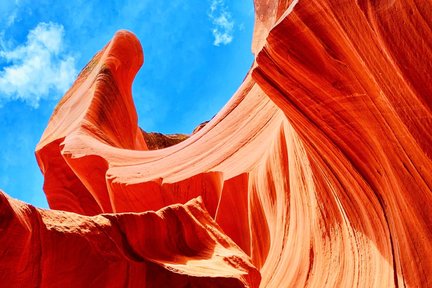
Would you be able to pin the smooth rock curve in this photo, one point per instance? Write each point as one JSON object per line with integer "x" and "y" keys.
{"x": 315, "y": 174}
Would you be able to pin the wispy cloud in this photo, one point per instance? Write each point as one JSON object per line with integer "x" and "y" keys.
{"x": 38, "y": 69}
{"x": 11, "y": 18}
{"x": 223, "y": 24}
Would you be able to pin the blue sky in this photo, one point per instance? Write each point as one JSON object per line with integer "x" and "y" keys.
{"x": 196, "y": 52}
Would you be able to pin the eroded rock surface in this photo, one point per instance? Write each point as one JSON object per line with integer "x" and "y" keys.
{"x": 155, "y": 141}
{"x": 315, "y": 174}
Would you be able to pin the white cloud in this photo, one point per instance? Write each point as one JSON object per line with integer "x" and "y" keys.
{"x": 11, "y": 18}
{"x": 38, "y": 69}
{"x": 223, "y": 25}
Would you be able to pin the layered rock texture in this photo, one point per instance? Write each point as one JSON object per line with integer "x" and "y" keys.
{"x": 317, "y": 173}
{"x": 156, "y": 140}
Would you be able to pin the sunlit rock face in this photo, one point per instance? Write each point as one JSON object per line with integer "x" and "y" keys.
{"x": 317, "y": 173}
{"x": 156, "y": 140}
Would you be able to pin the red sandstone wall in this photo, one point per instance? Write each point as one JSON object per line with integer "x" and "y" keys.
{"x": 316, "y": 173}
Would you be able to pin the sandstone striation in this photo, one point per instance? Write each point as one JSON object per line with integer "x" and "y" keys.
{"x": 315, "y": 174}
{"x": 156, "y": 140}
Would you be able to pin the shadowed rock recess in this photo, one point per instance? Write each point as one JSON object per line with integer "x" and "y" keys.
{"x": 317, "y": 173}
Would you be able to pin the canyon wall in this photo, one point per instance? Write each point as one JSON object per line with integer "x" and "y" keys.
{"x": 317, "y": 172}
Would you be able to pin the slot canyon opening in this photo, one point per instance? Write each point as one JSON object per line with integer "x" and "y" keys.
{"x": 197, "y": 54}
{"x": 183, "y": 84}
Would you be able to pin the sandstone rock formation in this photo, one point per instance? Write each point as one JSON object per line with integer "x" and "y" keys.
{"x": 156, "y": 140}
{"x": 315, "y": 174}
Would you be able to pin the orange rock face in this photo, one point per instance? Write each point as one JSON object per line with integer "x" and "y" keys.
{"x": 315, "y": 174}
{"x": 156, "y": 140}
